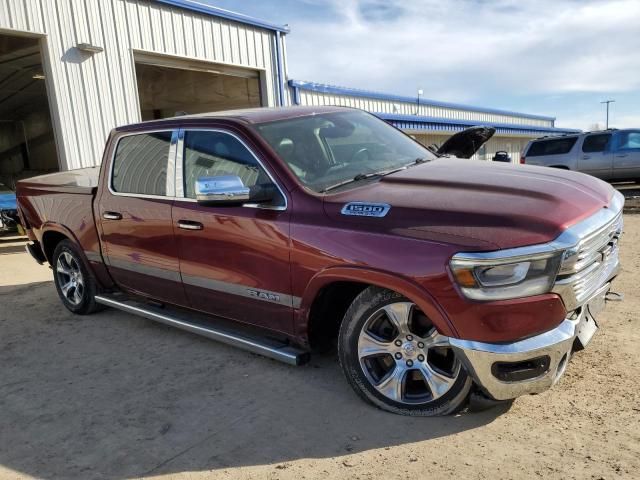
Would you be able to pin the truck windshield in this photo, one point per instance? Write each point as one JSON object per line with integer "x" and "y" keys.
{"x": 337, "y": 149}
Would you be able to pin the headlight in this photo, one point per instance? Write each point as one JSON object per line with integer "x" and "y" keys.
{"x": 499, "y": 276}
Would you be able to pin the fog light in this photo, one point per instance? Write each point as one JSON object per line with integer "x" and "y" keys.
{"x": 520, "y": 371}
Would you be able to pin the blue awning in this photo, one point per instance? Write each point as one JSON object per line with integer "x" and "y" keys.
{"x": 448, "y": 125}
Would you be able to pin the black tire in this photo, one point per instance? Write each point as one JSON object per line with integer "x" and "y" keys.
{"x": 360, "y": 314}
{"x": 79, "y": 298}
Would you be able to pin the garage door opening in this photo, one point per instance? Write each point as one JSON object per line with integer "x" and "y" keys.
{"x": 27, "y": 145}
{"x": 166, "y": 91}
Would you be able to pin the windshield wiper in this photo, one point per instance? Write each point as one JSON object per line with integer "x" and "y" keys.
{"x": 420, "y": 160}
{"x": 362, "y": 176}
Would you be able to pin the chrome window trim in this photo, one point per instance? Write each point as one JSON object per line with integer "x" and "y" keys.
{"x": 179, "y": 170}
{"x": 170, "y": 165}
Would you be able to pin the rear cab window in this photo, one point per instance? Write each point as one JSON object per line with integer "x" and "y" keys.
{"x": 552, "y": 146}
{"x": 140, "y": 164}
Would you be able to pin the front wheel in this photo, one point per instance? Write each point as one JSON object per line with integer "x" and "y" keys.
{"x": 75, "y": 285}
{"x": 394, "y": 358}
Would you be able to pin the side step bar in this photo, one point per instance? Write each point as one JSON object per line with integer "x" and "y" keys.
{"x": 261, "y": 346}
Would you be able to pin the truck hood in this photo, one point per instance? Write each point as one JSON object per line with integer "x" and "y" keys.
{"x": 477, "y": 205}
{"x": 466, "y": 143}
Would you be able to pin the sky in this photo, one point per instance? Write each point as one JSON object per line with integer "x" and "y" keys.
{"x": 558, "y": 58}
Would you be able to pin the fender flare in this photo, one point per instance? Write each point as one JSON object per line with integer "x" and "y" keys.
{"x": 58, "y": 228}
{"x": 100, "y": 273}
{"x": 402, "y": 285}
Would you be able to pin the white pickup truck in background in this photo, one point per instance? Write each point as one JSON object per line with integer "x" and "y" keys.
{"x": 608, "y": 154}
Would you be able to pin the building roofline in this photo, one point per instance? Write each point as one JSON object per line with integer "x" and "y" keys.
{"x": 471, "y": 123}
{"x": 355, "y": 92}
{"x": 201, "y": 7}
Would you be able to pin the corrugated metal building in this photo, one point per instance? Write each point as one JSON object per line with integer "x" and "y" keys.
{"x": 432, "y": 122}
{"x": 71, "y": 70}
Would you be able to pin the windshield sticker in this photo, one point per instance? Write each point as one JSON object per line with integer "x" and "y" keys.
{"x": 363, "y": 209}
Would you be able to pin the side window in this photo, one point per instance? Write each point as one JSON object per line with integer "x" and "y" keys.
{"x": 211, "y": 154}
{"x": 596, "y": 143}
{"x": 554, "y": 146}
{"x": 140, "y": 164}
{"x": 629, "y": 140}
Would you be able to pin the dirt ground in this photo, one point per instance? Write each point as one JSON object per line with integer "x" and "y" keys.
{"x": 115, "y": 396}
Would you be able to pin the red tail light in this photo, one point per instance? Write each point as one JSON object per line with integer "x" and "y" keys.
{"x": 522, "y": 158}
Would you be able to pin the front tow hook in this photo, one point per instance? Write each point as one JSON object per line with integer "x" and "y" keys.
{"x": 614, "y": 297}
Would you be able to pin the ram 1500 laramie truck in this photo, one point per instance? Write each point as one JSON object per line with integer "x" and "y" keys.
{"x": 284, "y": 230}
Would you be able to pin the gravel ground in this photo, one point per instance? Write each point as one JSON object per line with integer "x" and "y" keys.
{"x": 115, "y": 396}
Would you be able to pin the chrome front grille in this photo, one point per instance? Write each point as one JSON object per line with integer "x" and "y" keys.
{"x": 593, "y": 259}
{"x": 593, "y": 277}
{"x": 591, "y": 249}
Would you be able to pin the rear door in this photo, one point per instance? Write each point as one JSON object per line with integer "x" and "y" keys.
{"x": 234, "y": 260}
{"x": 595, "y": 157}
{"x": 135, "y": 216}
{"x": 626, "y": 155}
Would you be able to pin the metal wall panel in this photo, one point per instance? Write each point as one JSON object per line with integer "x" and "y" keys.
{"x": 92, "y": 93}
{"x": 315, "y": 98}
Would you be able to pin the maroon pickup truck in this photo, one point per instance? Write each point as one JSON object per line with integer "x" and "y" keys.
{"x": 282, "y": 231}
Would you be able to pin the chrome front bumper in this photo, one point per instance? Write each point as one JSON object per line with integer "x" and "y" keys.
{"x": 480, "y": 358}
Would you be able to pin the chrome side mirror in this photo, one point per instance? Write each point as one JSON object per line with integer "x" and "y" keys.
{"x": 223, "y": 189}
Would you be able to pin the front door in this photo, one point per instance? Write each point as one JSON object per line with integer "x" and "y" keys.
{"x": 234, "y": 260}
{"x": 595, "y": 155}
{"x": 135, "y": 222}
{"x": 626, "y": 157}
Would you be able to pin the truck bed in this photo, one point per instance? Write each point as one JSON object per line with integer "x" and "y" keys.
{"x": 82, "y": 181}
{"x": 62, "y": 204}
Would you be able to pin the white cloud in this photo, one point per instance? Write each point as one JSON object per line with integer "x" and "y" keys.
{"x": 462, "y": 50}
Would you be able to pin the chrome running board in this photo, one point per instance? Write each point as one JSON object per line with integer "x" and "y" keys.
{"x": 262, "y": 346}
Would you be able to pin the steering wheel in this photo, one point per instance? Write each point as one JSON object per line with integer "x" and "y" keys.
{"x": 361, "y": 153}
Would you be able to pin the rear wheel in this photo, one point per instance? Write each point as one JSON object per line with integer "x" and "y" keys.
{"x": 75, "y": 285}
{"x": 393, "y": 357}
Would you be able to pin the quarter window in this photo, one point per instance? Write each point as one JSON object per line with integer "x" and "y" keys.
{"x": 596, "y": 143}
{"x": 140, "y": 164}
{"x": 212, "y": 154}
{"x": 629, "y": 140}
{"x": 555, "y": 146}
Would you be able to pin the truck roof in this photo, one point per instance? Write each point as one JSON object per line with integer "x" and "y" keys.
{"x": 247, "y": 115}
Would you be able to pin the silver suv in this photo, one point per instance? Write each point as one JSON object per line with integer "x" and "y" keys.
{"x": 608, "y": 154}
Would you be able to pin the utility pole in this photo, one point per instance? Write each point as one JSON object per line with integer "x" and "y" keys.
{"x": 420, "y": 92}
{"x": 608, "y": 102}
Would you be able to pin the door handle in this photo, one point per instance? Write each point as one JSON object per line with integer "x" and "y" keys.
{"x": 189, "y": 225}
{"x": 621, "y": 155}
{"x": 586, "y": 157}
{"x": 112, "y": 216}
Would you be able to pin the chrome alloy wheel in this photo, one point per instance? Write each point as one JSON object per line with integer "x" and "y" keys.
{"x": 70, "y": 278}
{"x": 404, "y": 357}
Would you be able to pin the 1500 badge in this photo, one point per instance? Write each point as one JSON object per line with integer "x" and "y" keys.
{"x": 364, "y": 209}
